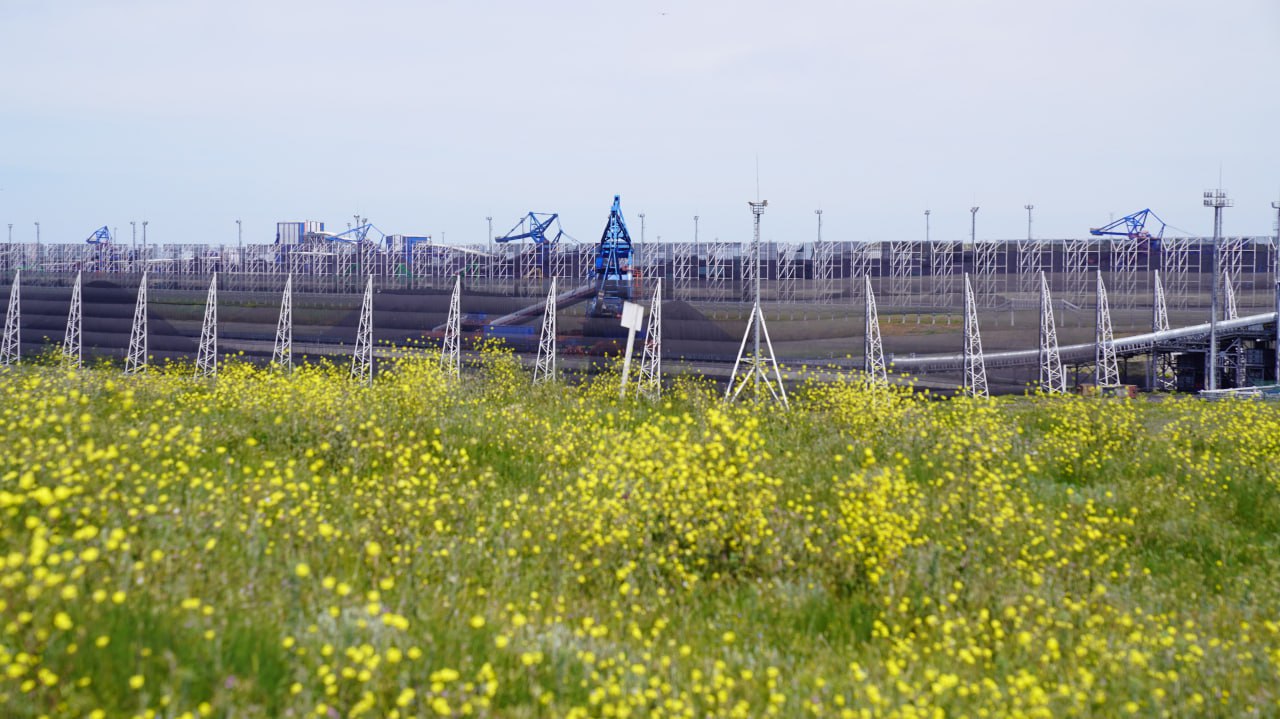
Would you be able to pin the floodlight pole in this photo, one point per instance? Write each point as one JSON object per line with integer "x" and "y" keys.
{"x": 1028, "y": 208}
{"x": 1217, "y": 199}
{"x": 973, "y": 227}
{"x": 926, "y": 225}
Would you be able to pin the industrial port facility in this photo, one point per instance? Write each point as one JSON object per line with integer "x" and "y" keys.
{"x": 813, "y": 294}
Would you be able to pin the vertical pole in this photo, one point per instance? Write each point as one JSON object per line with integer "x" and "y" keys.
{"x": 1211, "y": 382}
{"x": 626, "y": 362}
{"x": 926, "y": 225}
{"x": 1029, "y": 208}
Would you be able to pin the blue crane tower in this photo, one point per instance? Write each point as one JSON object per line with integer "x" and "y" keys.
{"x": 100, "y": 236}
{"x": 612, "y": 266}
{"x": 537, "y": 226}
{"x": 1134, "y": 227}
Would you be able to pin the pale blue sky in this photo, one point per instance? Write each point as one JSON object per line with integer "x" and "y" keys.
{"x": 428, "y": 116}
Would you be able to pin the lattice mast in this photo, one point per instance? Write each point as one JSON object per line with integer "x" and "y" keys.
{"x": 71, "y": 347}
{"x": 1106, "y": 368}
{"x": 649, "y": 383}
{"x": 757, "y": 363}
{"x": 975, "y": 368}
{"x": 11, "y": 342}
{"x": 1053, "y": 379}
{"x": 873, "y": 347}
{"x": 135, "y": 360}
{"x": 545, "y": 368}
{"x": 282, "y": 353}
{"x": 362, "y": 358}
{"x": 451, "y": 354}
{"x": 207, "y": 352}
{"x": 1161, "y": 375}
{"x": 1229, "y": 309}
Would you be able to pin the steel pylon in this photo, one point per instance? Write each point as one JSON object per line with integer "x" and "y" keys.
{"x": 362, "y": 358}
{"x": 545, "y": 368}
{"x": 1230, "y": 311}
{"x": 649, "y": 383}
{"x": 11, "y": 342}
{"x": 451, "y": 355}
{"x": 873, "y": 347}
{"x": 1163, "y": 374}
{"x": 71, "y": 349}
{"x": 975, "y": 367}
{"x": 282, "y": 353}
{"x": 207, "y": 352}
{"x": 1106, "y": 368}
{"x": 757, "y": 364}
{"x": 135, "y": 360}
{"x": 1053, "y": 379}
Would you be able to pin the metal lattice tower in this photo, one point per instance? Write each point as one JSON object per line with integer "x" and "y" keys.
{"x": 1053, "y": 379}
{"x": 1031, "y": 265}
{"x": 823, "y": 259}
{"x": 362, "y": 358}
{"x": 786, "y": 269}
{"x": 1124, "y": 268}
{"x": 942, "y": 265}
{"x": 1177, "y": 252}
{"x": 1106, "y": 369}
{"x": 1231, "y": 259}
{"x": 757, "y": 363}
{"x": 649, "y": 383}
{"x": 904, "y": 263}
{"x": 718, "y": 263}
{"x": 282, "y": 354}
{"x": 873, "y": 347}
{"x": 207, "y": 352}
{"x": 1229, "y": 309}
{"x": 11, "y": 342}
{"x": 986, "y": 260}
{"x": 749, "y": 268}
{"x": 451, "y": 355}
{"x": 685, "y": 263}
{"x": 1163, "y": 373}
{"x": 1078, "y": 257}
{"x": 975, "y": 367}
{"x": 859, "y": 263}
{"x": 71, "y": 348}
{"x": 545, "y": 369}
{"x": 135, "y": 360}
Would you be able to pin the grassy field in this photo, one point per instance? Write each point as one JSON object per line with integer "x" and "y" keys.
{"x": 269, "y": 545}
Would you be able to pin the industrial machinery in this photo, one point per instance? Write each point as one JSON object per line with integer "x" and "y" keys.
{"x": 613, "y": 276}
{"x": 100, "y": 236}
{"x": 537, "y": 226}
{"x": 1134, "y": 227}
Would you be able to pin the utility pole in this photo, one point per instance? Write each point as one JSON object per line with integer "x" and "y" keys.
{"x": 1217, "y": 199}
{"x": 1028, "y": 208}
{"x": 695, "y": 230}
{"x": 489, "y": 219}
{"x": 926, "y": 225}
{"x": 144, "y": 236}
{"x": 973, "y": 225}
{"x": 239, "y": 236}
{"x": 134, "y": 225}
{"x": 819, "y": 214}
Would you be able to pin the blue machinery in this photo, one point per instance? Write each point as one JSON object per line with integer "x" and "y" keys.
{"x": 613, "y": 266}
{"x": 1134, "y": 227}
{"x": 100, "y": 236}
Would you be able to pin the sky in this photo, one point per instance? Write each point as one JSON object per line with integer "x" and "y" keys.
{"x": 427, "y": 117}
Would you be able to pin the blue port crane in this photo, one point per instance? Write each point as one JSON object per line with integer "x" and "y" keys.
{"x": 100, "y": 236}
{"x": 356, "y": 235}
{"x": 537, "y": 226}
{"x": 612, "y": 266}
{"x": 1133, "y": 226}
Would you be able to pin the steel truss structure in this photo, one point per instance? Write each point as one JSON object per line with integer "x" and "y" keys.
{"x": 823, "y": 271}
{"x": 975, "y": 368}
{"x": 942, "y": 266}
{"x": 282, "y": 350}
{"x": 207, "y": 350}
{"x": 11, "y": 341}
{"x": 545, "y": 368}
{"x": 362, "y": 357}
{"x": 72, "y": 352}
{"x": 1080, "y": 259}
{"x": 135, "y": 360}
{"x": 450, "y": 354}
{"x": 1124, "y": 268}
{"x": 786, "y": 270}
{"x": 684, "y": 260}
{"x": 1162, "y": 370}
{"x": 1106, "y": 369}
{"x": 873, "y": 347}
{"x": 904, "y": 265}
{"x": 649, "y": 383}
{"x": 989, "y": 265}
{"x": 1053, "y": 379}
{"x": 1031, "y": 265}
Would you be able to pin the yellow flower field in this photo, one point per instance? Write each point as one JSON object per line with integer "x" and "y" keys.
{"x": 300, "y": 545}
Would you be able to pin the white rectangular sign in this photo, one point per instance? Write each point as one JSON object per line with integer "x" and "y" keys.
{"x": 632, "y": 315}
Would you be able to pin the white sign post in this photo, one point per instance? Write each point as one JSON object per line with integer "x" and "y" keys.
{"x": 632, "y": 319}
